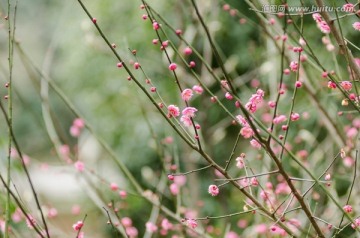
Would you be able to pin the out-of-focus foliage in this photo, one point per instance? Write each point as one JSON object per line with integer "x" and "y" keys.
{"x": 63, "y": 43}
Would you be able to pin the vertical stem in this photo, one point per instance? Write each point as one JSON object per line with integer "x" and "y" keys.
{"x": 296, "y": 193}
{"x": 339, "y": 39}
{"x": 281, "y": 80}
{"x": 232, "y": 152}
{"x": 294, "y": 94}
{"x": 351, "y": 188}
{"x": 214, "y": 49}
{"x": 10, "y": 61}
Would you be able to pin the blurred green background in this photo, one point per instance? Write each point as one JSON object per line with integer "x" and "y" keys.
{"x": 62, "y": 42}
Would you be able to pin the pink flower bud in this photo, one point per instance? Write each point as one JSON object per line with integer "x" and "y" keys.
{"x": 228, "y": 96}
{"x": 187, "y": 51}
{"x": 213, "y": 190}
{"x": 156, "y": 26}
{"x": 172, "y": 66}
{"x": 348, "y": 208}
{"x": 294, "y": 116}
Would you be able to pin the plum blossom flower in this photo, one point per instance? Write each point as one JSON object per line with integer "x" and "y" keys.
{"x": 346, "y": 85}
{"x": 79, "y": 166}
{"x": 331, "y": 85}
{"x": 321, "y": 24}
{"x": 213, "y": 190}
{"x": 156, "y": 26}
{"x": 172, "y": 66}
{"x": 186, "y": 121}
{"x": 240, "y": 163}
{"x": 264, "y": 195}
{"x": 231, "y": 234}
{"x": 278, "y": 230}
{"x": 166, "y": 225}
{"x": 192, "y": 223}
{"x": 251, "y": 107}
{"x": 122, "y": 194}
{"x": 294, "y": 116}
{"x": 348, "y": 7}
{"x": 78, "y": 225}
{"x": 254, "y": 143}
{"x": 52, "y": 212}
{"x": 242, "y": 120}
{"x": 272, "y": 104}
{"x": 356, "y": 123}
{"x": 180, "y": 180}
{"x": 245, "y": 182}
{"x": 30, "y": 222}
{"x": 126, "y": 221}
{"x": 174, "y": 189}
{"x": 279, "y": 119}
{"x": 254, "y": 100}
{"x": 294, "y": 66}
{"x": 114, "y": 186}
{"x": 17, "y": 215}
{"x": 77, "y": 126}
{"x": 351, "y": 132}
{"x": 324, "y": 27}
{"x": 165, "y": 44}
{"x": 228, "y": 96}
{"x": 261, "y": 228}
{"x": 151, "y": 227}
{"x": 282, "y": 188}
{"x": 317, "y": 17}
{"x": 225, "y": 84}
{"x": 254, "y": 181}
{"x": 356, "y": 26}
{"x": 189, "y": 111}
{"x": 348, "y": 208}
{"x": 198, "y": 89}
{"x": 79, "y": 122}
{"x": 348, "y": 161}
{"x": 186, "y": 94}
{"x": 246, "y": 132}
{"x": 356, "y": 223}
{"x": 302, "y": 41}
{"x": 75, "y": 131}
{"x": 330, "y": 47}
{"x": 187, "y": 51}
{"x": 173, "y": 111}
{"x": 132, "y": 232}
{"x": 136, "y": 65}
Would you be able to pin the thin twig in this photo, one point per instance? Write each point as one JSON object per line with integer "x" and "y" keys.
{"x": 226, "y": 216}
{"x": 250, "y": 176}
{"x": 352, "y": 186}
{"x": 17, "y": 147}
{"x": 332, "y": 162}
{"x": 213, "y": 47}
{"x": 232, "y": 151}
{"x": 18, "y": 202}
{"x": 192, "y": 171}
{"x": 112, "y": 224}
{"x": 83, "y": 222}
